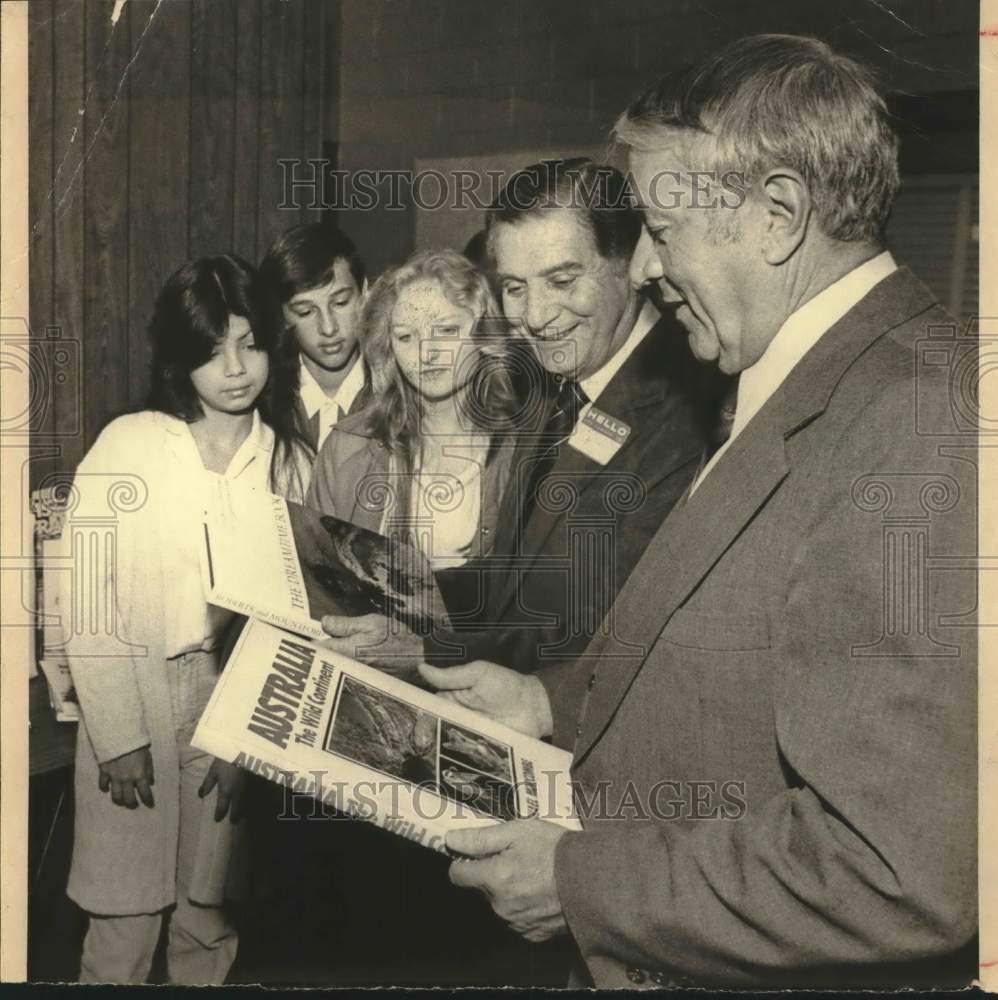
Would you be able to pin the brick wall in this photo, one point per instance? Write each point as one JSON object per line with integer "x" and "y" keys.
{"x": 438, "y": 78}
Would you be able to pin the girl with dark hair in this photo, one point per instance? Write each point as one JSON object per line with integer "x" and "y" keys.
{"x": 150, "y": 807}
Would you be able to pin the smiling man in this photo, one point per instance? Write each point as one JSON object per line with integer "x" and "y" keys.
{"x": 775, "y": 750}
{"x": 616, "y": 417}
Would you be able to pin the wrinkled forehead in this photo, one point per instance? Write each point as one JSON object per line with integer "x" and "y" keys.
{"x": 545, "y": 239}
{"x": 674, "y": 160}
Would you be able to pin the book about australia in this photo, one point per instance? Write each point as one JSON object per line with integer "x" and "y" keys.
{"x": 371, "y": 746}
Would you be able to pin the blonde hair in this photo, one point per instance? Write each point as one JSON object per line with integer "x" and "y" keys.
{"x": 488, "y": 401}
{"x": 396, "y": 408}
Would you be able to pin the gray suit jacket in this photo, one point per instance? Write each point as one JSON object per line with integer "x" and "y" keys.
{"x": 781, "y": 788}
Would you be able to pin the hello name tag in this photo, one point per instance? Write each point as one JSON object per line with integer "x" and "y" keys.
{"x": 599, "y": 436}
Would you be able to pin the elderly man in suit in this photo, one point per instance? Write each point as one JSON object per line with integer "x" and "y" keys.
{"x": 780, "y": 787}
{"x": 615, "y": 418}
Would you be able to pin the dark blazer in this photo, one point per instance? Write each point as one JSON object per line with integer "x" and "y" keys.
{"x": 551, "y": 583}
{"x": 785, "y": 775}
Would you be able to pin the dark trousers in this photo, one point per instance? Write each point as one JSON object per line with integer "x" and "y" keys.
{"x": 342, "y": 902}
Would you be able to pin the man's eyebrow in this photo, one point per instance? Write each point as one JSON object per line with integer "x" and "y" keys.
{"x": 565, "y": 265}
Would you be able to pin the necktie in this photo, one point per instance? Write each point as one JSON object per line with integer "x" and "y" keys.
{"x": 568, "y": 403}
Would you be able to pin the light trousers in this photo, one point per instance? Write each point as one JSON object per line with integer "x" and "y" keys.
{"x": 202, "y": 941}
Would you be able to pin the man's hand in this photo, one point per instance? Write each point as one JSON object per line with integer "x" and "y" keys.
{"x": 514, "y": 699}
{"x": 230, "y": 780}
{"x": 374, "y": 639}
{"x": 128, "y": 775}
{"x": 513, "y": 864}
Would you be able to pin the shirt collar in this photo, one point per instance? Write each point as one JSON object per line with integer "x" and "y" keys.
{"x": 314, "y": 399}
{"x": 259, "y": 443}
{"x": 594, "y": 384}
{"x": 801, "y": 330}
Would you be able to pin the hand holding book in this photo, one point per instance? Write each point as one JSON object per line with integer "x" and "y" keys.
{"x": 377, "y": 641}
{"x": 506, "y": 696}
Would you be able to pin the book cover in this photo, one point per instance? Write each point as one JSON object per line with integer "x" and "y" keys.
{"x": 372, "y": 746}
{"x": 286, "y": 564}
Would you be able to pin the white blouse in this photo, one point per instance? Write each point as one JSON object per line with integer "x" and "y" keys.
{"x": 156, "y": 455}
{"x": 446, "y": 511}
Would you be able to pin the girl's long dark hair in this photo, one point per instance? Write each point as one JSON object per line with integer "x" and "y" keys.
{"x": 190, "y": 318}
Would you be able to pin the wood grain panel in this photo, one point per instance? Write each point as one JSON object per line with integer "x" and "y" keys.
{"x": 159, "y": 164}
{"x": 280, "y": 113}
{"x": 246, "y": 115}
{"x": 106, "y": 358}
{"x": 40, "y": 157}
{"x": 213, "y": 126}
{"x": 314, "y": 84}
{"x": 67, "y": 191}
{"x": 155, "y": 139}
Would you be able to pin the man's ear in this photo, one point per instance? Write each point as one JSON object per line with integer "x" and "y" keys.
{"x": 364, "y": 289}
{"x": 787, "y": 203}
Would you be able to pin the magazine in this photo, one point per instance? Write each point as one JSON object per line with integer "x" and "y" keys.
{"x": 372, "y": 746}
{"x": 273, "y": 559}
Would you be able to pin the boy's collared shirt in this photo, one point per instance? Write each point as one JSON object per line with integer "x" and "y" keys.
{"x": 323, "y": 411}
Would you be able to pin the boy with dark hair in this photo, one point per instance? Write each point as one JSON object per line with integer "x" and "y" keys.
{"x": 316, "y": 278}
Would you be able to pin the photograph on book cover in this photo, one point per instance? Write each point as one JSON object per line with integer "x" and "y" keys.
{"x": 382, "y": 732}
{"x": 620, "y": 374}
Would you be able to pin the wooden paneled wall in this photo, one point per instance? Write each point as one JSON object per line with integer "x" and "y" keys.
{"x": 155, "y": 137}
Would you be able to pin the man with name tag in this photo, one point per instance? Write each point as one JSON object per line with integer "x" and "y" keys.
{"x": 779, "y": 789}
{"x": 616, "y": 416}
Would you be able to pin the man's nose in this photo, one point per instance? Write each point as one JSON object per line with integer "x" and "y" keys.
{"x": 540, "y": 312}
{"x": 645, "y": 265}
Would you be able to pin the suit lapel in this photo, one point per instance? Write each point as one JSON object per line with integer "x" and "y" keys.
{"x": 698, "y": 531}
{"x": 623, "y": 398}
{"x": 691, "y": 540}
